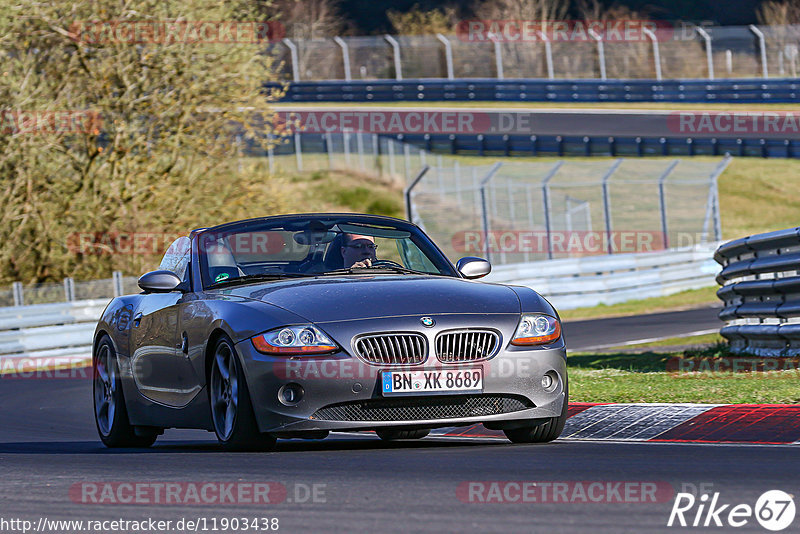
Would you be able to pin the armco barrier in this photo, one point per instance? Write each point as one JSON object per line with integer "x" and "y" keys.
{"x": 760, "y": 281}
{"x": 592, "y": 280}
{"x": 564, "y": 146}
{"x": 61, "y": 331}
{"x": 64, "y": 330}
{"x": 603, "y": 146}
{"x": 780, "y": 90}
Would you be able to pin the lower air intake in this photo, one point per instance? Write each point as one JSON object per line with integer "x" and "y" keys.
{"x": 423, "y": 408}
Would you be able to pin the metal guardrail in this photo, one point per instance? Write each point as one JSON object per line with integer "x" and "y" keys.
{"x": 760, "y": 281}
{"x": 744, "y": 90}
{"x": 59, "y": 333}
{"x": 603, "y": 146}
{"x": 579, "y": 282}
{"x": 62, "y": 332}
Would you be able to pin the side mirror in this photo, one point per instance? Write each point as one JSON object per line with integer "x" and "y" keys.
{"x": 471, "y": 267}
{"x": 159, "y": 282}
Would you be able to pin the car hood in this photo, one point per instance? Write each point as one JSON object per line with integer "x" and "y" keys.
{"x": 328, "y": 299}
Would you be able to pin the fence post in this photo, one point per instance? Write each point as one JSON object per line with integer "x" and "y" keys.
{"x": 548, "y": 55}
{"x": 448, "y": 55}
{"x": 360, "y": 148}
{"x": 762, "y": 48}
{"x": 709, "y": 56}
{"x": 546, "y": 201}
{"x": 271, "y": 154}
{"x": 345, "y": 57}
{"x": 712, "y": 204}
{"x": 529, "y": 199}
{"x": 346, "y": 146}
{"x": 607, "y": 203}
{"x": 116, "y": 280}
{"x": 398, "y": 67}
{"x": 476, "y": 191}
{"x": 329, "y": 149}
{"x": 498, "y": 56}
{"x": 392, "y": 165}
{"x": 376, "y": 151}
{"x": 293, "y": 54}
{"x": 656, "y": 52}
{"x": 407, "y": 158}
{"x": 662, "y": 201}
{"x": 407, "y": 193}
{"x": 69, "y": 290}
{"x": 601, "y": 52}
{"x": 298, "y": 152}
{"x": 19, "y": 298}
{"x": 484, "y": 209}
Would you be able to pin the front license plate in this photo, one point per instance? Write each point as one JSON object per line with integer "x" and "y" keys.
{"x": 434, "y": 381}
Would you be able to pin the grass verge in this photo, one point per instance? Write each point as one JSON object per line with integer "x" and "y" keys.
{"x": 657, "y": 376}
{"x": 692, "y": 298}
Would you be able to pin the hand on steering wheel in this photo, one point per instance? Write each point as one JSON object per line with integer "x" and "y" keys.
{"x": 386, "y": 263}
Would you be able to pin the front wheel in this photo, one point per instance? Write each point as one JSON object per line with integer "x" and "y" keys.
{"x": 546, "y": 431}
{"x": 231, "y": 409}
{"x": 110, "y": 412}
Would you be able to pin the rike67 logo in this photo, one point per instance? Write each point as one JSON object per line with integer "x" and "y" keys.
{"x": 774, "y": 510}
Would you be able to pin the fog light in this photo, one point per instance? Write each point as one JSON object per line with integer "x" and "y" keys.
{"x": 550, "y": 381}
{"x": 290, "y": 394}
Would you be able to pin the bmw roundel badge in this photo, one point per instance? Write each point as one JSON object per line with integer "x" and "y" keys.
{"x": 427, "y": 321}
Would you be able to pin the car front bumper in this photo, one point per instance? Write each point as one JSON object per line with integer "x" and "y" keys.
{"x": 341, "y": 392}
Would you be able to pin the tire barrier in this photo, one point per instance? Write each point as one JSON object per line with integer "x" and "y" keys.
{"x": 760, "y": 281}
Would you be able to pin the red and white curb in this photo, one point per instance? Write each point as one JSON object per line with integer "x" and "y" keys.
{"x": 697, "y": 423}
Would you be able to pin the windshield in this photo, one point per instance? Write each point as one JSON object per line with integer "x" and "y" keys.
{"x": 297, "y": 247}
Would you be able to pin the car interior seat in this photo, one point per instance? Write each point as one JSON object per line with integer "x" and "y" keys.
{"x": 333, "y": 255}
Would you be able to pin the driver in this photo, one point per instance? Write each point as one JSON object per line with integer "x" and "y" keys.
{"x": 358, "y": 250}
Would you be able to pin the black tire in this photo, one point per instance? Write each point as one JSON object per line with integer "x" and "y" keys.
{"x": 110, "y": 411}
{"x": 236, "y": 430}
{"x": 391, "y": 434}
{"x": 546, "y": 431}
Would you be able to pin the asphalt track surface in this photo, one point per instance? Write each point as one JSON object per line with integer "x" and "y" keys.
{"x": 565, "y": 122}
{"x": 603, "y": 333}
{"x": 48, "y": 444}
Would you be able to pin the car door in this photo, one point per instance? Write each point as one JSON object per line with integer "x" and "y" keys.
{"x": 161, "y": 367}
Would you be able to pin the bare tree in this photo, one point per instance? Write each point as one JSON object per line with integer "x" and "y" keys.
{"x": 158, "y": 159}
{"x": 420, "y": 22}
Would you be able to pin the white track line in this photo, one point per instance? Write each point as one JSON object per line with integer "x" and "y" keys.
{"x": 647, "y": 340}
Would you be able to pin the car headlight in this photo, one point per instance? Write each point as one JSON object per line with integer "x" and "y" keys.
{"x": 536, "y": 329}
{"x": 294, "y": 340}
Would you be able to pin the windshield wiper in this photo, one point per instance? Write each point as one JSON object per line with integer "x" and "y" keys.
{"x": 370, "y": 270}
{"x": 264, "y": 277}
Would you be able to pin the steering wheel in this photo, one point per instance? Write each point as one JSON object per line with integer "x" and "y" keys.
{"x": 386, "y": 263}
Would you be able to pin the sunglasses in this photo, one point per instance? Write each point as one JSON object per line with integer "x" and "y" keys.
{"x": 364, "y": 246}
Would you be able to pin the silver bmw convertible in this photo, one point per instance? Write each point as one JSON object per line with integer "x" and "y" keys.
{"x": 299, "y": 325}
